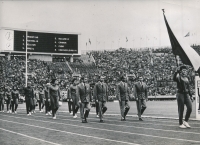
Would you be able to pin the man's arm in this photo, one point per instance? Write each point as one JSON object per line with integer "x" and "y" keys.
{"x": 95, "y": 92}
{"x": 118, "y": 93}
{"x": 135, "y": 92}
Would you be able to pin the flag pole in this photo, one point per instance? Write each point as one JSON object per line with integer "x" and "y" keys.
{"x": 177, "y": 62}
{"x": 26, "y": 59}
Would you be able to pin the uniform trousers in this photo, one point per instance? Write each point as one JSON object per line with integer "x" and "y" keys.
{"x": 8, "y": 104}
{"x": 102, "y": 108}
{"x": 97, "y": 107}
{"x": 84, "y": 107}
{"x": 1, "y": 104}
{"x": 29, "y": 105}
{"x": 124, "y": 108}
{"x": 70, "y": 106}
{"x": 41, "y": 104}
{"x": 141, "y": 106}
{"x": 14, "y": 105}
{"x": 181, "y": 100}
{"x": 75, "y": 106}
{"x": 47, "y": 106}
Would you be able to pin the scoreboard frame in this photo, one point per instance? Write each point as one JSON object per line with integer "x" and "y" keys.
{"x": 43, "y": 42}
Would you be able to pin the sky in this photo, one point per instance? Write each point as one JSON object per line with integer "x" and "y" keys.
{"x": 108, "y": 24}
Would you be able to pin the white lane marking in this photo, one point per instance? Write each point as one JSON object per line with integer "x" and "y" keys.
{"x": 157, "y": 124}
{"x": 69, "y": 132}
{"x": 115, "y": 130}
{"x": 29, "y": 136}
{"x": 145, "y": 116}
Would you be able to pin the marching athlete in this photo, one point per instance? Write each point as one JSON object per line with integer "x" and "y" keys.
{"x": 122, "y": 94}
{"x": 73, "y": 96}
{"x": 41, "y": 99}
{"x": 70, "y": 101}
{"x": 183, "y": 96}
{"x": 54, "y": 93}
{"x": 29, "y": 94}
{"x": 15, "y": 99}
{"x": 8, "y": 99}
{"x": 47, "y": 100}
{"x": 101, "y": 96}
{"x": 84, "y": 93}
{"x": 141, "y": 97}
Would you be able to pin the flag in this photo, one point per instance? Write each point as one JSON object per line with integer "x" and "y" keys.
{"x": 126, "y": 39}
{"x": 188, "y": 34}
{"x": 186, "y": 53}
{"x": 89, "y": 41}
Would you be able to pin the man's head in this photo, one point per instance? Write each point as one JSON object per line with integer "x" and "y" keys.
{"x": 74, "y": 81}
{"x": 140, "y": 79}
{"x": 123, "y": 79}
{"x": 14, "y": 87}
{"x": 183, "y": 70}
{"x": 84, "y": 79}
{"x": 29, "y": 84}
{"x": 54, "y": 81}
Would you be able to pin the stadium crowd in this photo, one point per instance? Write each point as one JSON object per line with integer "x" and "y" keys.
{"x": 155, "y": 65}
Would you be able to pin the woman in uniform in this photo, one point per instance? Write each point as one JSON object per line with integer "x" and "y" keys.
{"x": 41, "y": 99}
{"x": 73, "y": 96}
{"x": 54, "y": 93}
{"x": 47, "y": 100}
{"x": 15, "y": 99}
{"x": 8, "y": 100}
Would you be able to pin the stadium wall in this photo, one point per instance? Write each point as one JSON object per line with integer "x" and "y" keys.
{"x": 41, "y": 57}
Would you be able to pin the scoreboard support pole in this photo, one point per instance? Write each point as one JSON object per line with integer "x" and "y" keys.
{"x": 26, "y": 61}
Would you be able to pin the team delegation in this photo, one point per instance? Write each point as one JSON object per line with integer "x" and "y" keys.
{"x": 80, "y": 94}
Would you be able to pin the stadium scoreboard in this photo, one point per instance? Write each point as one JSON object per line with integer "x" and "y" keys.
{"x": 40, "y": 42}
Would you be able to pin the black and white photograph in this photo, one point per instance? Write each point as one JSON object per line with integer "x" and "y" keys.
{"x": 100, "y": 72}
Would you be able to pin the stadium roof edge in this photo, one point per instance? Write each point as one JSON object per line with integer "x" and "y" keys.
{"x": 8, "y": 28}
{"x": 38, "y": 53}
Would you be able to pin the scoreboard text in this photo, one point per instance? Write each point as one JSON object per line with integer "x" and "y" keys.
{"x": 45, "y": 42}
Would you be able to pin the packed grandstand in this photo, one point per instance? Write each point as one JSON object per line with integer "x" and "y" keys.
{"x": 156, "y": 65}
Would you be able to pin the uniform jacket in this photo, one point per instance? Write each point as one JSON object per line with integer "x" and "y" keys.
{"x": 84, "y": 92}
{"x": 2, "y": 95}
{"x": 101, "y": 92}
{"x": 140, "y": 90}
{"x": 72, "y": 92}
{"x": 29, "y": 93}
{"x": 15, "y": 94}
{"x": 122, "y": 92}
{"x": 41, "y": 95}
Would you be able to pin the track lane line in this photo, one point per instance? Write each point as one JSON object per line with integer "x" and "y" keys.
{"x": 70, "y": 132}
{"x": 131, "y": 122}
{"x": 130, "y": 133}
{"x": 29, "y": 136}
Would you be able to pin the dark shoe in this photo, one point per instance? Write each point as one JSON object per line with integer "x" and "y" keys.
{"x": 101, "y": 121}
{"x": 86, "y": 120}
{"x": 123, "y": 119}
{"x": 140, "y": 119}
{"x": 83, "y": 121}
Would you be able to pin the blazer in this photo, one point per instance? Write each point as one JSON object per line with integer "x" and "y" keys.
{"x": 101, "y": 92}
{"x": 72, "y": 92}
{"x": 122, "y": 91}
{"x": 29, "y": 93}
{"x": 140, "y": 90}
{"x": 84, "y": 92}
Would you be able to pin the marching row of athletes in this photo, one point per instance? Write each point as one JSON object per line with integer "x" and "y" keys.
{"x": 79, "y": 96}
